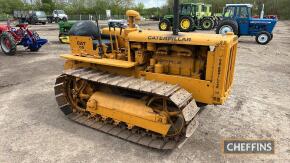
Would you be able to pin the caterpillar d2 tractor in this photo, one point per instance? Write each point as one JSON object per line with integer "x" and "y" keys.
{"x": 145, "y": 86}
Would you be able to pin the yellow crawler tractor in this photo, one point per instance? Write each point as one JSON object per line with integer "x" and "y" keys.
{"x": 145, "y": 86}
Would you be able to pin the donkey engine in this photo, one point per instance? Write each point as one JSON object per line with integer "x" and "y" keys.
{"x": 144, "y": 86}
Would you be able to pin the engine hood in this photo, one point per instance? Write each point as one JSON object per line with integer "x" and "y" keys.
{"x": 263, "y": 21}
{"x": 183, "y": 38}
{"x": 268, "y": 24}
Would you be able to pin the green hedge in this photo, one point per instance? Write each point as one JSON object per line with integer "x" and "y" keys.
{"x": 4, "y": 17}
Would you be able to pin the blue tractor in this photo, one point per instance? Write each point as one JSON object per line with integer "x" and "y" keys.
{"x": 237, "y": 18}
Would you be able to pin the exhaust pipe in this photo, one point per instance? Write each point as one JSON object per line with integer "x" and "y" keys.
{"x": 175, "y": 17}
{"x": 262, "y": 12}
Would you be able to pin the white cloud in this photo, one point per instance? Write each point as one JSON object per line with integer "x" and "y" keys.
{"x": 151, "y": 3}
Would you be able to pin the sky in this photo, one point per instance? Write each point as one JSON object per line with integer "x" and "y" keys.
{"x": 151, "y": 3}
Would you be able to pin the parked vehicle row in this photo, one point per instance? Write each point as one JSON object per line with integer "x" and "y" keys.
{"x": 39, "y": 17}
{"x": 236, "y": 18}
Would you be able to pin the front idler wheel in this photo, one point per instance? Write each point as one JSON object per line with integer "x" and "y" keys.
{"x": 75, "y": 92}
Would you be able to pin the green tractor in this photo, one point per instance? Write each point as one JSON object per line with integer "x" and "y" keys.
{"x": 64, "y": 27}
{"x": 206, "y": 11}
{"x": 191, "y": 17}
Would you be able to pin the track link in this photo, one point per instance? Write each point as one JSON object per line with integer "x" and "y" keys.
{"x": 179, "y": 96}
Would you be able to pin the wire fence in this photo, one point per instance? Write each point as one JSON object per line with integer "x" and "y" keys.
{"x": 99, "y": 17}
{"x": 5, "y": 17}
{"x": 94, "y": 17}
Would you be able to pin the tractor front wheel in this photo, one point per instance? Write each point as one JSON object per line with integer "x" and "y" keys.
{"x": 263, "y": 38}
{"x": 186, "y": 24}
{"x": 8, "y": 44}
{"x": 164, "y": 25}
{"x": 207, "y": 24}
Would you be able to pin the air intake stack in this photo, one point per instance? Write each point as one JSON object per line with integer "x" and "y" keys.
{"x": 175, "y": 17}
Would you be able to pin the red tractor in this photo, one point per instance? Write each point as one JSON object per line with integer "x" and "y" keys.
{"x": 10, "y": 37}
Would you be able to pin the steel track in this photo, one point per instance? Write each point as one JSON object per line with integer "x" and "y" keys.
{"x": 179, "y": 96}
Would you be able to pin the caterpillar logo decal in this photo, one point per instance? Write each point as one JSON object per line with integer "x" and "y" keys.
{"x": 161, "y": 38}
{"x": 81, "y": 44}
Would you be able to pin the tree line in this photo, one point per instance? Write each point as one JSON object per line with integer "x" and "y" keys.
{"x": 74, "y": 7}
{"x": 118, "y": 7}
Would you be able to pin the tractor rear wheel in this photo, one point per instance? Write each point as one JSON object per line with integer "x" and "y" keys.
{"x": 164, "y": 25}
{"x": 8, "y": 44}
{"x": 263, "y": 38}
{"x": 186, "y": 24}
{"x": 227, "y": 26}
{"x": 207, "y": 23}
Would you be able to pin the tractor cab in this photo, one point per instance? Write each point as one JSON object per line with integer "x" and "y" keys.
{"x": 188, "y": 9}
{"x": 237, "y": 18}
{"x": 208, "y": 9}
{"x": 241, "y": 13}
{"x": 203, "y": 10}
{"x": 237, "y": 10}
